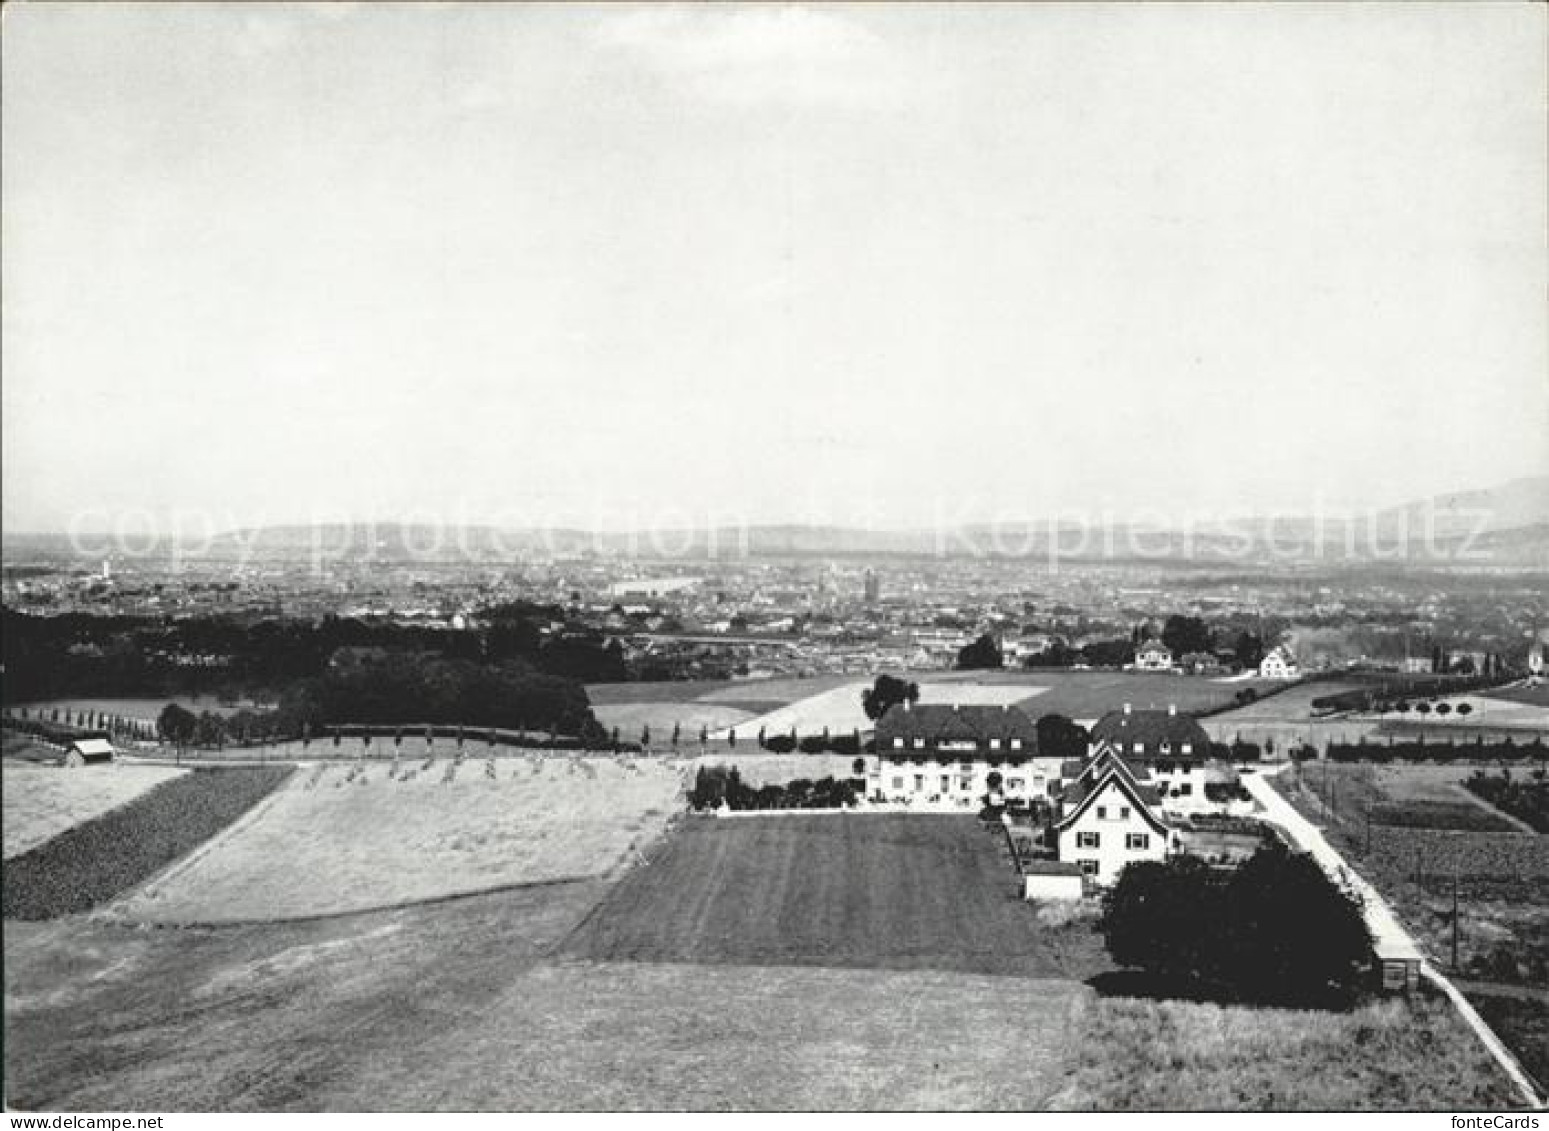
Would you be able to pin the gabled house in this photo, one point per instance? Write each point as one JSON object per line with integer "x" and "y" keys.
{"x": 1153, "y": 656}
{"x": 1279, "y": 663}
{"x": 1171, "y": 746}
{"x": 937, "y": 755}
{"x": 1109, "y": 819}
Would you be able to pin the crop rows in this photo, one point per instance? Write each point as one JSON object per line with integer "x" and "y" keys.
{"x": 91, "y": 863}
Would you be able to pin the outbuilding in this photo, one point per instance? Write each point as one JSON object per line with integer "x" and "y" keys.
{"x": 87, "y": 751}
{"x": 1052, "y": 879}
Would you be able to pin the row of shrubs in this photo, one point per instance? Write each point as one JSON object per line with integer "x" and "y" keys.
{"x": 60, "y": 734}
{"x": 94, "y": 861}
{"x": 1421, "y": 751}
{"x": 717, "y": 785}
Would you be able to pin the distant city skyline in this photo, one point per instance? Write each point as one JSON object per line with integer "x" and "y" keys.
{"x": 890, "y": 267}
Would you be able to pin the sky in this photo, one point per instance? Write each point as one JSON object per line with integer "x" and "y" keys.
{"x": 891, "y": 266}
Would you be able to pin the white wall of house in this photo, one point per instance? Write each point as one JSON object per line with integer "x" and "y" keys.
{"x": 1110, "y": 834}
{"x": 942, "y": 782}
{"x": 1052, "y": 887}
{"x": 1182, "y": 788}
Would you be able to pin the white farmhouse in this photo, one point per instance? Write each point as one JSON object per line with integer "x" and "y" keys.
{"x": 1109, "y": 820}
{"x": 941, "y": 756}
{"x": 1279, "y": 663}
{"x": 1153, "y": 656}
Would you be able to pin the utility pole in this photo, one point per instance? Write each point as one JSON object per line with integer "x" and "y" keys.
{"x": 1454, "y": 918}
{"x": 1368, "y": 829}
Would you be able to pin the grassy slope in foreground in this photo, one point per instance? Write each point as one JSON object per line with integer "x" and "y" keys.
{"x": 91, "y": 863}
{"x": 1398, "y": 1055}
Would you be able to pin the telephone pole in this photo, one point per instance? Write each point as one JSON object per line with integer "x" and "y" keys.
{"x": 1454, "y": 918}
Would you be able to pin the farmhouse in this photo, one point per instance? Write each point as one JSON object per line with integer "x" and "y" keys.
{"x": 1110, "y": 818}
{"x": 1153, "y": 656}
{"x": 939, "y": 755}
{"x": 86, "y": 751}
{"x": 1173, "y": 746}
{"x": 1279, "y": 663}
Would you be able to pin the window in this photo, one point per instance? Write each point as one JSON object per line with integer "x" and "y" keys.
{"x": 1188, "y": 748}
{"x": 1137, "y": 842}
{"x": 1138, "y": 748}
{"x": 946, "y": 782}
{"x": 919, "y": 744}
{"x": 965, "y": 768}
{"x": 898, "y": 783}
{"x": 1088, "y": 840}
{"x": 1184, "y": 790}
{"x": 1016, "y": 744}
{"x": 994, "y": 744}
{"x": 919, "y": 782}
{"x": 1123, "y": 812}
{"x": 1088, "y": 867}
{"x": 1014, "y": 783}
{"x": 1102, "y": 812}
{"x": 898, "y": 744}
{"x": 1167, "y": 747}
{"x": 966, "y": 783}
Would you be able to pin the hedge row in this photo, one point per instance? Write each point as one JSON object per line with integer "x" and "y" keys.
{"x": 1422, "y": 751}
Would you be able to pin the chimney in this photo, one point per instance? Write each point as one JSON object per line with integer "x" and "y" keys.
{"x": 906, "y": 704}
{"x": 1126, "y": 708}
{"x": 1172, "y": 708}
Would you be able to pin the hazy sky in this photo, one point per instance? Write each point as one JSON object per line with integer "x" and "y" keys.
{"x": 886, "y": 265}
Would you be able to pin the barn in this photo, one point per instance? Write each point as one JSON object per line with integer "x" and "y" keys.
{"x": 87, "y": 751}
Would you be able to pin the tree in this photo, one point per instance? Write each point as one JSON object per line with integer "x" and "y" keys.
{"x": 1276, "y": 930}
{"x": 209, "y": 731}
{"x": 887, "y": 691}
{"x": 1183, "y": 635}
{"x": 981, "y": 655}
{"x": 176, "y": 724}
{"x": 1248, "y": 651}
{"x": 1059, "y": 737}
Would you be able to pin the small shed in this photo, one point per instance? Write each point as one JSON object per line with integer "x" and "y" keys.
{"x": 1052, "y": 879}
{"x": 87, "y": 751}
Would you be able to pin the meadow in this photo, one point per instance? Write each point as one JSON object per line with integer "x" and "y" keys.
{"x": 350, "y": 837}
{"x": 42, "y": 801}
{"x": 880, "y": 891}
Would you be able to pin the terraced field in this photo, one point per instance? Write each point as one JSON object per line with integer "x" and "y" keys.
{"x": 40, "y": 801}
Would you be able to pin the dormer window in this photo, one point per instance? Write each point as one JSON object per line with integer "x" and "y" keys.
{"x": 994, "y": 744}
{"x": 919, "y": 744}
{"x": 1188, "y": 748}
{"x": 898, "y": 744}
{"x": 1016, "y": 744}
{"x": 1167, "y": 747}
{"x": 1138, "y": 748}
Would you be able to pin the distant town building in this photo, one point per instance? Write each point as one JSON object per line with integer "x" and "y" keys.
{"x": 936, "y": 755}
{"x": 1418, "y": 665}
{"x": 1153, "y": 656}
{"x": 873, "y": 587}
{"x": 653, "y": 587}
{"x": 1279, "y": 663}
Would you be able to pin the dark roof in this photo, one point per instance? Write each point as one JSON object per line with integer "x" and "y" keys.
{"x": 1051, "y": 868}
{"x": 1124, "y": 728}
{"x": 1080, "y": 794}
{"x": 937, "y": 721}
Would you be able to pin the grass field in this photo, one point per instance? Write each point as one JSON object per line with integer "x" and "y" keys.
{"x": 892, "y": 938}
{"x": 1079, "y": 695}
{"x": 880, "y": 891}
{"x": 1522, "y": 1021}
{"x": 1139, "y": 1055}
{"x": 661, "y": 717}
{"x": 40, "y": 802}
{"x": 839, "y": 711}
{"x": 92, "y": 862}
{"x": 350, "y": 837}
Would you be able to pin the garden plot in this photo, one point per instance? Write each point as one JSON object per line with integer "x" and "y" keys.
{"x": 346, "y": 838}
{"x": 40, "y": 802}
{"x": 839, "y": 709}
